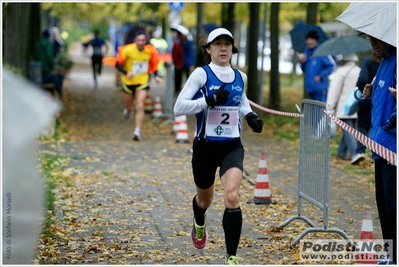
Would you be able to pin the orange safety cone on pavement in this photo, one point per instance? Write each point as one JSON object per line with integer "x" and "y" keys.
{"x": 366, "y": 234}
{"x": 182, "y": 132}
{"x": 148, "y": 108}
{"x": 157, "y": 112}
{"x": 262, "y": 187}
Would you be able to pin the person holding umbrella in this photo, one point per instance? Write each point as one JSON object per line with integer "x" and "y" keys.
{"x": 383, "y": 131}
{"x": 215, "y": 94}
{"x": 378, "y": 21}
{"x": 316, "y": 69}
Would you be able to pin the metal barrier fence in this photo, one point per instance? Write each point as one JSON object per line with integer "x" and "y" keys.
{"x": 314, "y": 166}
{"x": 169, "y": 97}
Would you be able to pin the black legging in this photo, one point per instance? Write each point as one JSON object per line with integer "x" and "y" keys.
{"x": 96, "y": 63}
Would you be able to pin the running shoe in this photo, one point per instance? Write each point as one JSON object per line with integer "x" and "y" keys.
{"x": 199, "y": 235}
{"x": 232, "y": 260}
{"x": 126, "y": 113}
{"x": 136, "y": 137}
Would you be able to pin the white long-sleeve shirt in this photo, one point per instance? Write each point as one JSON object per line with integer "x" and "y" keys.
{"x": 185, "y": 105}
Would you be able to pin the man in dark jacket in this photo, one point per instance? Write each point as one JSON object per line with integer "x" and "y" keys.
{"x": 43, "y": 52}
{"x": 368, "y": 70}
{"x": 316, "y": 69}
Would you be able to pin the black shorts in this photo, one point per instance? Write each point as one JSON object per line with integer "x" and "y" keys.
{"x": 208, "y": 156}
{"x": 131, "y": 89}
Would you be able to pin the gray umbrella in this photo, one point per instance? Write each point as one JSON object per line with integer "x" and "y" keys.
{"x": 343, "y": 45}
{"x": 377, "y": 19}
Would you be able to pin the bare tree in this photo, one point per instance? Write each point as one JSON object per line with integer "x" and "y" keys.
{"x": 252, "y": 48}
{"x": 274, "y": 100}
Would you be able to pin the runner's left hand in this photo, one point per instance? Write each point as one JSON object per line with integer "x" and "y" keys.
{"x": 254, "y": 122}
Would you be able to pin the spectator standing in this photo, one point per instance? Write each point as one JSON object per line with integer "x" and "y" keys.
{"x": 98, "y": 44}
{"x": 136, "y": 62}
{"x": 383, "y": 131}
{"x": 117, "y": 42}
{"x": 57, "y": 41}
{"x": 214, "y": 87}
{"x": 368, "y": 70}
{"x": 188, "y": 54}
{"x": 161, "y": 45}
{"x": 44, "y": 53}
{"x": 316, "y": 69}
{"x": 177, "y": 59}
{"x": 342, "y": 83}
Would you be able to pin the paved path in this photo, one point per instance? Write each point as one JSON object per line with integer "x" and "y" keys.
{"x": 130, "y": 202}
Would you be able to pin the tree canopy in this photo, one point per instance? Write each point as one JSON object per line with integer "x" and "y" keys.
{"x": 96, "y": 12}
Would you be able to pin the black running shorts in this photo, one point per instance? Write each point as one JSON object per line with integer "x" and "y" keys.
{"x": 131, "y": 89}
{"x": 208, "y": 156}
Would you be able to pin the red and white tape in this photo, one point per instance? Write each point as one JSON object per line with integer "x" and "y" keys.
{"x": 274, "y": 111}
{"x": 380, "y": 150}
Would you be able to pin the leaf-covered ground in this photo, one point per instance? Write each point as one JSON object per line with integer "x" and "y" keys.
{"x": 125, "y": 202}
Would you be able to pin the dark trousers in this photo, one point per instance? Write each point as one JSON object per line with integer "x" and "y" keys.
{"x": 96, "y": 64}
{"x": 179, "y": 77}
{"x": 385, "y": 193}
{"x": 363, "y": 123}
{"x": 57, "y": 79}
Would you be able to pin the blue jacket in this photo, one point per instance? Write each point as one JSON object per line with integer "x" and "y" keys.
{"x": 189, "y": 53}
{"x": 321, "y": 66}
{"x": 383, "y": 112}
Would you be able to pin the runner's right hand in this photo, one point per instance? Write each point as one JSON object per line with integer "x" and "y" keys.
{"x": 219, "y": 97}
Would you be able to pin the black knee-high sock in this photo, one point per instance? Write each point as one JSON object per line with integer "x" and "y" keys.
{"x": 198, "y": 213}
{"x": 232, "y": 224}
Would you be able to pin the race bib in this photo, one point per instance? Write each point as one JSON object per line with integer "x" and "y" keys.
{"x": 140, "y": 67}
{"x": 222, "y": 122}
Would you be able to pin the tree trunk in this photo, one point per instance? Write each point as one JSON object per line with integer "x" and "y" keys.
{"x": 21, "y": 25}
{"x": 311, "y": 13}
{"x": 252, "y": 48}
{"x": 311, "y": 19}
{"x": 200, "y": 18}
{"x": 274, "y": 100}
{"x": 228, "y": 16}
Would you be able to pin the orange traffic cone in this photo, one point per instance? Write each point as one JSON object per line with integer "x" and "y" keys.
{"x": 176, "y": 124}
{"x": 148, "y": 108}
{"x": 262, "y": 187}
{"x": 182, "y": 132}
{"x": 366, "y": 234}
{"x": 157, "y": 112}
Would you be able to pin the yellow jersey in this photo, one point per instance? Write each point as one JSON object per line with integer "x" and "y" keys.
{"x": 141, "y": 63}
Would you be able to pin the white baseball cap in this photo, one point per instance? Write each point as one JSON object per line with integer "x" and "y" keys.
{"x": 221, "y": 32}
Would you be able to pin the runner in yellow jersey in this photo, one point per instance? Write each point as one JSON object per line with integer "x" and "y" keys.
{"x": 137, "y": 62}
